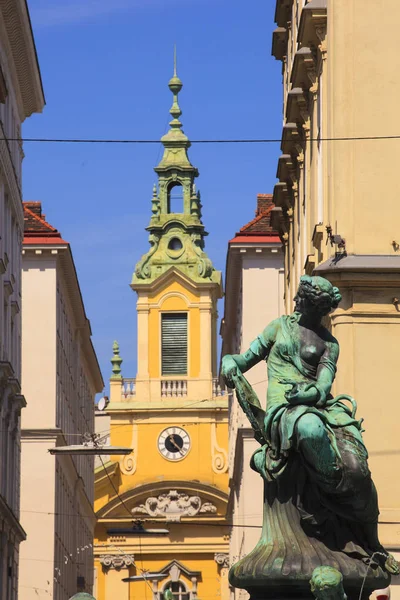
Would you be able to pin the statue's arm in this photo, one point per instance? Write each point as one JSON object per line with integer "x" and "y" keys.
{"x": 258, "y": 351}
{"x": 326, "y": 371}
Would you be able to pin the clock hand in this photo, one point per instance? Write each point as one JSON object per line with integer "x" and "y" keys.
{"x": 173, "y": 442}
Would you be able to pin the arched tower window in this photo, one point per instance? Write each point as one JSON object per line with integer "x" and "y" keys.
{"x": 175, "y": 198}
{"x": 178, "y": 590}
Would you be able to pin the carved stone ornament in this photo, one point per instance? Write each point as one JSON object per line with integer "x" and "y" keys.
{"x": 117, "y": 561}
{"x": 173, "y": 506}
{"x": 222, "y": 559}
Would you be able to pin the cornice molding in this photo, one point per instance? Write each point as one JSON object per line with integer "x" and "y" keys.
{"x": 21, "y": 52}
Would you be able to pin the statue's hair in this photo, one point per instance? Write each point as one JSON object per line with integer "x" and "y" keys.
{"x": 325, "y": 577}
{"x": 320, "y": 292}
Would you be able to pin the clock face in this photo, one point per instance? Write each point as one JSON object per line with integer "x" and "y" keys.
{"x": 174, "y": 443}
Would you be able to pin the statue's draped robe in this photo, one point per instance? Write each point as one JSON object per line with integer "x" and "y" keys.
{"x": 323, "y": 497}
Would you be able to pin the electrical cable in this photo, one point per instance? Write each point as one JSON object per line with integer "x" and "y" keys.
{"x": 205, "y": 141}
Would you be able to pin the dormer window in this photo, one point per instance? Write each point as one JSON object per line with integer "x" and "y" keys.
{"x": 175, "y": 198}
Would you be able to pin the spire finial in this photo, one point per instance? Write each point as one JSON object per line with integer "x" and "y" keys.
{"x": 175, "y": 85}
{"x": 174, "y": 60}
{"x": 116, "y": 362}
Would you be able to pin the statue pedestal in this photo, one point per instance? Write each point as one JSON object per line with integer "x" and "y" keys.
{"x": 281, "y": 565}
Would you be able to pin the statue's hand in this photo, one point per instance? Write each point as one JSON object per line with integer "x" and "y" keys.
{"x": 229, "y": 368}
{"x": 307, "y": 395}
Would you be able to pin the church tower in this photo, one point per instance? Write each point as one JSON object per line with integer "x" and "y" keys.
{"x": 176, "y": 283}
{"x": 162, "y": 509}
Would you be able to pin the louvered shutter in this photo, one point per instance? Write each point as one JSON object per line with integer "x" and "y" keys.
{"x": 174, "y": 344}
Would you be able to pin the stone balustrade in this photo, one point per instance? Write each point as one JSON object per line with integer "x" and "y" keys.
{"x": 170, "y": 388}
{"x": 128, "y": 387}
{"x": 217, "y": 389}
{"x": 173, "y": 388}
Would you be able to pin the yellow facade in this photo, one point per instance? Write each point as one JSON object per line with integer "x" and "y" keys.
{"x": 175, "y": 481}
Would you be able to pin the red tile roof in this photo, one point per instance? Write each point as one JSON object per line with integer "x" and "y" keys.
{"x": 260, "y": 226}
{"x": 36, "y": 229}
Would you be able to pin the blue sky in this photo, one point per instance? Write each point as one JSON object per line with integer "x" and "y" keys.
{"x": 105, "y": 67}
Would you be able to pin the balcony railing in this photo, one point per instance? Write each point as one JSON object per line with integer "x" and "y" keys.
{"x": 173, "y": 388}
{"x": 128, "y": 387}
{"x": 170, "y": 388}
{"x": 217, "y": 389}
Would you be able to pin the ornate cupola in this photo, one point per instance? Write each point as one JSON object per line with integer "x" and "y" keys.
{"x": 176, "y": 230}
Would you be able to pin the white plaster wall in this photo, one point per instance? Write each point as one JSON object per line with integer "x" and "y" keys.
{"x": 39, "y": 341}
{"x": 60, "y": 389}
{"x": 262, "y": 302}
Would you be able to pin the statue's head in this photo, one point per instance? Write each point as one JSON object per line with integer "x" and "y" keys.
{"x": 327, "y": 584}
{"x": 316, "y": 295}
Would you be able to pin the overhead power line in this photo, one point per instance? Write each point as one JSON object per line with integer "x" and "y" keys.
{"x": 215, "y": 141}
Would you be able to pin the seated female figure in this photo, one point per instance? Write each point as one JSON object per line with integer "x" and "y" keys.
{"x": 303, "y": 419}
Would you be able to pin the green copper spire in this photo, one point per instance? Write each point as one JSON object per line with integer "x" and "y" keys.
{"x": 176, "y": 238}
{"x": 175, "y": 85}
{"x": 175, "y": 142}
{"x": 116, "y": 362}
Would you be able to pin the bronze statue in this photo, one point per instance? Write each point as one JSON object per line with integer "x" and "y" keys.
{"x": 312, "y": 456}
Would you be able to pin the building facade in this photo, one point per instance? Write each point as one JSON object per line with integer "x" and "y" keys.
{"x": 60, "y": 377}
{"x": 21, "y": 94}
{"x": 173, "y": 415}
{"x": 338, "y": 61}
{"x": 254, "y": 283}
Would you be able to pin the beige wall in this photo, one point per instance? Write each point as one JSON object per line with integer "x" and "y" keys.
{"x": 348, "y": 88}
{"x": 37, "y": 516}
{"x": 60, "y": 378}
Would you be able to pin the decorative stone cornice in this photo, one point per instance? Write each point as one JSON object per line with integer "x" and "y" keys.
{"x": 283, "y": 12}
{"x": 21, "y": 52}
{"x": 304, "y": 73}
{"x": 286, "y": 171}
{"x": 282, "y": 196}
{"x": 297, "y": 107}
{"x": 222, "y": 559}
{"x": 279, "y": 43}
{"x": 117, "y": 561}
{"x": 313, "y": 25}
{"x": 292, "y": 142}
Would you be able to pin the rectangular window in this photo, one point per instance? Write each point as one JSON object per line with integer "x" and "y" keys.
{"x": 174, "y": 346}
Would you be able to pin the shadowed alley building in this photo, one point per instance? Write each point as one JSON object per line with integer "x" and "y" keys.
{"x": 254, "y": 283}
{"x": 21, "y": 94}
{"x": 60, "y": 377}
{"x": 173, "y": 415}
{"x": 337, "y": 209}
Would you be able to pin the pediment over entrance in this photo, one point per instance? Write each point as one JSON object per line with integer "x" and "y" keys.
{"x": 169, "y": 500}
{"x": 173, "y": 505}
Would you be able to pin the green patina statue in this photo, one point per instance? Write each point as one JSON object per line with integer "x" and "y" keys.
{"x": 320, "y": 503}
{"x": 327, "y": 584}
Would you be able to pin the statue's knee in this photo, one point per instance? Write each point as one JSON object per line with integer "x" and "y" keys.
{"x": 310, "y": 426}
